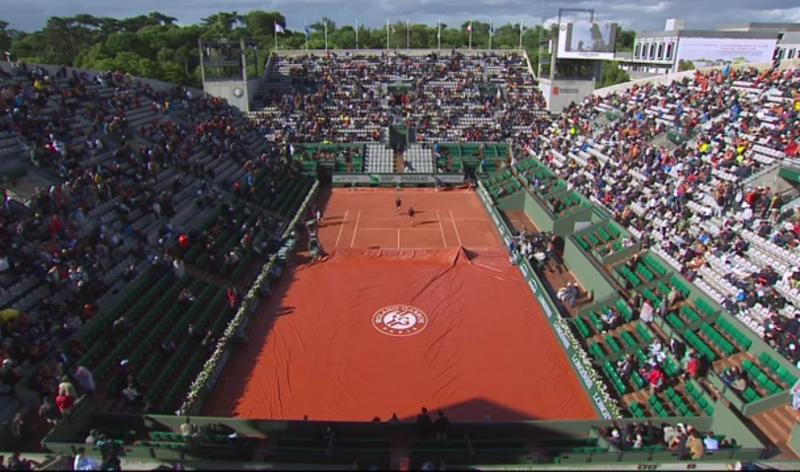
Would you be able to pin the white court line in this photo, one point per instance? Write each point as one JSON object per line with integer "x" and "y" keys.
{"x": 392, "y": 210}
{"x": 455, "y": 228}
{"x": 341, "y": 229}
{"x": 487, "y": 267}
{"x": 398, "y": 229}
{"x": 439, "y": 219}
{"x": 398, "y": 239}
{"x": 463, "y": 220}
{"x": 358, "y": 218}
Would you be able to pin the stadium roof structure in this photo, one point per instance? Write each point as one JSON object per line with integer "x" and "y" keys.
{"x": 773, "y": 27}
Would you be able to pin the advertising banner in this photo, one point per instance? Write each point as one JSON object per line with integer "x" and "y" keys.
{"x": 550, "y": 311}
{"x": 399, "y": 179}
{"x": 505, "y": 233}
{"x": 699, "y": 53}
{"x": 587, "y": 41}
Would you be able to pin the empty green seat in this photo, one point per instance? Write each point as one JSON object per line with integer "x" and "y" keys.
{"x": 641, "y": 329}
{"x": 583, "y": 329}
{"x": 750, "y": 395}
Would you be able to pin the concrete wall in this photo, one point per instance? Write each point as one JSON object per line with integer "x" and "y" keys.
{"x": 225, "y": 89}
{"x": 537, "y": 213}
{"x": 586, "y": 271}
{"x": 513, "y": 202}
{"x": 561, "y": 93}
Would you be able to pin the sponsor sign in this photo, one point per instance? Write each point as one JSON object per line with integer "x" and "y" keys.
{"x": 601, "y": 406}
{"x": 377, "y": 179}
{"x": 549, "y": 309}
{"x": 563, "y": 338}
{"x": 582, "y": 372}
{"x": 487, "y": 202}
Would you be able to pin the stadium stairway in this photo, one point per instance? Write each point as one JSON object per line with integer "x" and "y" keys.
{"x": 777, "y": 424}
{"x": 399, "y": 168}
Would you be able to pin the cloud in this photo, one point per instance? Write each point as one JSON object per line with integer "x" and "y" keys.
{"x": 643, "y": 15}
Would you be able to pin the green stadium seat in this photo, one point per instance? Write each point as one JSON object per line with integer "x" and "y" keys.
{"x": 584, "y": 330}
{"x": 643, "y": 332}
{"x": 750, "y": 395}
{"x": 627, "y": 339}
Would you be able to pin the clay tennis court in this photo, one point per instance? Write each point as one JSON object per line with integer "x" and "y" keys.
{"x": 397, "y": 317}
{"x": 368, "y": 219}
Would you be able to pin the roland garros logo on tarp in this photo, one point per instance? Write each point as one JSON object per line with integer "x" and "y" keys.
{"x": 400, "y": 320}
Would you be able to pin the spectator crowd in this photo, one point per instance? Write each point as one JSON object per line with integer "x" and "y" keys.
{"x": 137, "y": 166}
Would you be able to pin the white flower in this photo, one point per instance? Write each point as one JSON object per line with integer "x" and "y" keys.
{"x": 210, "y": 366}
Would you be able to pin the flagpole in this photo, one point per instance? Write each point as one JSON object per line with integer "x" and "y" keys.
{"x": 541, "y": 41}
{"x": 326, "y": 36}
{"x": 491, "y": 33}
{"x": 275, "y": 28}
{"x": 305, "y": 32}
{"x": 387, "y": 34}
{"x": 439, "y": 34}
{"x": 408, "y": 34}
{"x": 470, "y": 35}
{"x": 521, "y": 29}
{"x": 356, "y": 34}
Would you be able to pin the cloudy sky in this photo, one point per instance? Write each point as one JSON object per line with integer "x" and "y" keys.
{"x": 640, "y": 15}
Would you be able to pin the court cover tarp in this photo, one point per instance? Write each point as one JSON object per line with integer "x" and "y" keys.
{"x": 365, "y": 333}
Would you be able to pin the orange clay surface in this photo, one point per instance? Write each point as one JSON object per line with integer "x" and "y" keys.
{"x": 397, "y": 317}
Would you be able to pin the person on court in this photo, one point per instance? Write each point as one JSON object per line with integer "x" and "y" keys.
{"x": 398, "y": 203}
{"x": 411, "y": 214}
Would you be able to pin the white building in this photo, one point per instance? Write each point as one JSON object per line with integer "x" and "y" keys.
{"x": 676, "y": 48}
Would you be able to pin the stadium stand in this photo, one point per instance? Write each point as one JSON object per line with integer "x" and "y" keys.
{"x": 165, "y": 198}
{"x": 696, "y": 204}
{"x": 130, "y": 267}
{"x": 456, "y": 98}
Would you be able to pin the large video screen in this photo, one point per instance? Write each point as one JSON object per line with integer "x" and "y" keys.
{"x": 699, "y": 53}
{"x": 587, "y": 41}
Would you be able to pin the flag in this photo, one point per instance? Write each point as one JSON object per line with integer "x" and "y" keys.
{"x": 308, "y": 31}
{"x": 491, "y": 28}
{"x": 279, "y": 29}
{"x": 8, "y": 56}
{"x": 393, "y": 30}
{"x": 469, "y": 28}
{"x": 439, "y": 30}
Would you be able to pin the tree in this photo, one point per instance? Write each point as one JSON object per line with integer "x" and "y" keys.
{"x": 625, "y": 39}
{"x": 5, "y": 36}
{"x": 154, "y": 46}
{"x": 260, "y": 23}
{"x": 613, "y": 75}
